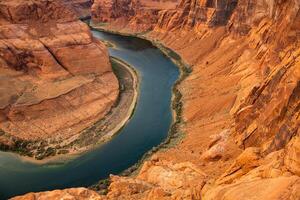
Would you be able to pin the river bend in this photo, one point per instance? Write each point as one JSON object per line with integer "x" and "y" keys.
{"x": 147, "y": 128}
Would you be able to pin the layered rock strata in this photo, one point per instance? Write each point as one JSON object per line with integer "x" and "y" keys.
{"x": 55, "y": 78}
{"x": 129, "y": 15}
{"x": 241, "y": 104}
{"x": 82, "y": 8}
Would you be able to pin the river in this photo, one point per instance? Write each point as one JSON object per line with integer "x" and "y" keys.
{"x": 147, "y": 128}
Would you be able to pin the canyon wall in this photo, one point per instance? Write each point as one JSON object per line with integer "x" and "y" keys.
{"x": 241, "y": 102}
{"x": 55, "y": 78}
{"x": 193, "y": 14}
{"x": 82, "y": 8}
{"x": 129, "y": 15}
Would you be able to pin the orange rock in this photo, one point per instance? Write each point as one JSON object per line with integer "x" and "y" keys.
{"x": 55, "y": 80}
{"x": 292, "y": 159}
{"x": 244, "y": 163}
{"x": 268, "y": 189}
{"x": 130, "y": 15}
{"x": 80, "y": 7}
{"x": 245, "y": 78}
{"x": 72, "y": 194}
{"x": 160, "y": 180}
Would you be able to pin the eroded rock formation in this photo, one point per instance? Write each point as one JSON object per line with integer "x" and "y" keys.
{"x": 55, "y": 78}
{"x": 241, "y": 103}
{"x": 130, "y": 15}
{"x": 78, "y": 193}
{"x": 82, "y": 8}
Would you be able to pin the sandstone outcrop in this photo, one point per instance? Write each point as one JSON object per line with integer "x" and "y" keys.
{"x": 72, "y": 194}
{"x": 196, "y": 14}
{"x": 160, "y": 180}
{"x": 82, "y": 8}
{"x": 241, "y": 103}
{"x": 55, "y": 78}
{"x": 243, "y": 93}
{"x": 130, "y": 15}
{"x": 286, "y": 188}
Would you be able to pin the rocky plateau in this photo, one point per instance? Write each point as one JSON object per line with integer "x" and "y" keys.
{"x": 241, "y": 102}
{"x": 55, "y": 78}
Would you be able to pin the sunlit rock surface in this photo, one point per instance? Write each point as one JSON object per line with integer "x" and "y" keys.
{"x": 55, "y": 79}
{"x": 241, "y": 101}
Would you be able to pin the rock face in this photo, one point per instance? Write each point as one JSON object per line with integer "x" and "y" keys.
{"x": 130, "y": 15}
{"x": 194, "y": 13}
{"x": 241, "y": 103}
{"x": 141, "y": 15}
{"x": 55, "y": 79}
{"x": 72, "y": 194}
{"x": 108, "y": 11}
{"x": 82, "y": 8}
{"x": 270, "y": 112}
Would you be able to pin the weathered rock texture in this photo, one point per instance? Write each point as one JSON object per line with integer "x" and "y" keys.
{"x": 82, "y": 8}
{"x": 71, "y": 194}
{"x": 130, "y": 15}
{"x": 55, "y": 80}
{"x": 241, "y": 103}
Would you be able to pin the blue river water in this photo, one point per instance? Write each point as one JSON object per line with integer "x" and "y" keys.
{"x": 147, "y": 128}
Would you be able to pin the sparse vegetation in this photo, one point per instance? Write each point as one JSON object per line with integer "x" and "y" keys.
{"x": 102, "y": 186}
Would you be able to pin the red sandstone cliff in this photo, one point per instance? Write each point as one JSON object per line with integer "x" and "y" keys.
{"x": 241, "y": 104}
{"x": 55, "y": 80}
{"x": 129, "y": 15}
{"x": 80, "y": 7}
